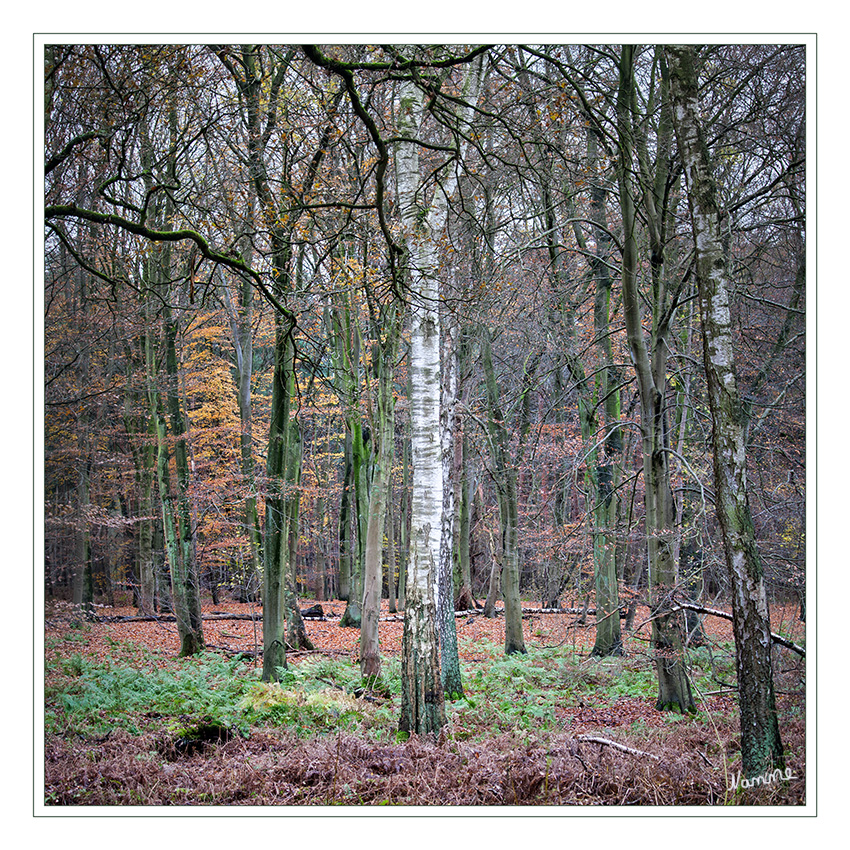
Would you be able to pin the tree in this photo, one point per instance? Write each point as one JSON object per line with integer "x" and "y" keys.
{"x": 761, "y": 747}
{"x": 422, "y": 694}
{"x": 178, "y": 528}
{"x": 345, "y": 333}
{"x": 649, "y": 361}
{"x": 594, "y": 376}
{"x": 505, "y": 478}
{"x": 387, "y": 332}
{"x": 169, "y": 418}
{"x": 599, "y": 413}
{"x": 251, "y": 69}
{"x": 423, "y": 707}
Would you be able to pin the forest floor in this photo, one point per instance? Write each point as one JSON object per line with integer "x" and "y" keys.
{"x": 128, "y": 723}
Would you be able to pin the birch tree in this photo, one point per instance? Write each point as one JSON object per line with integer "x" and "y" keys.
{"x": 761, "y": 746}
{"x": 422, "y": 223}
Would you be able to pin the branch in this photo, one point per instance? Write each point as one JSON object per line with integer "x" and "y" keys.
{"x": 66, "y": 151}
{"x": 700, "y": 609}
{"x": 112, "y": 281}
{"x": 592, "y": 739}
{"x": 73, "y": 211}
{"x": 341, "y": 70}
{"x": 401, "y": 63}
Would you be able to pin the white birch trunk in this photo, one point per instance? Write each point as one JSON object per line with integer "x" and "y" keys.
{"x": 423, "y": 707}
{"x": 422, "y": 702}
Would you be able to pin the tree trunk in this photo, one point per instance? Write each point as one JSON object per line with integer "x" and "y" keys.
{"x": 345, "y": 534}
{"x": 465, "y": 599}
{"x": 354, "y": 514}
{"x": 504, "y": 476}
{"x": 178, "y": 533}
{"x": 423, "y": 707}
{"x": 404, "y": 522}
{"x": 422, "y": 704}
{"x": 280, "y": 532}
{"x": 82, "y": 586}
{"x": 422, "y": 693}
{"x": 384, "y": 355}
{"x": 276, "y": 547}
{"x": 761, "y": 747}
{"x": 449, "y": 661}
{"x": 168, "y": 421}
{"x": 392, "y": 582}
{"x": 241, "y": 321}
{"x": 296, "y": 631}
{"x": 142, "y": 436}
{"x": 673, "y": 683}
{"x": 605, "y": 458}
{"x": 493, "y": 582}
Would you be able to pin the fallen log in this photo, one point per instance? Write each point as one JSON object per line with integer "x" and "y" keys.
{"x": 713, "y": 612}
{"x": 216, "y": 615}
{"x": 478, "y": 612}
{"x": 170, "y": 618}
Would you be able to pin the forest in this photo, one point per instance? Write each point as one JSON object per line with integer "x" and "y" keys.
{"x": 424, "y": 424}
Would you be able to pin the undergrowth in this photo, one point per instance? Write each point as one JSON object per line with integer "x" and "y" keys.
{"x": 533, "y": 691}
{"x": 536, "y": 699}
{"x": 91, "y": 699}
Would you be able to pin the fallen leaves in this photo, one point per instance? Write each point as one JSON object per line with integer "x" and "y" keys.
{"x": 246, "y": 634}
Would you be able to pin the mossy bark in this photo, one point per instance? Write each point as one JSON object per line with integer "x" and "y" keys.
{"x": 504, "y": 474}
{"x": 178, "y": 530}
{"x": 384, "y": 355}
{"x": 761, "y": 745}
{"x": 276, "y": 544}
{"x": 650, "y": 361}
{"x": 449, "y": 659}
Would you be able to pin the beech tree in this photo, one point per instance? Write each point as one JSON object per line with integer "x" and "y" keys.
{"x": 650, "y": 358}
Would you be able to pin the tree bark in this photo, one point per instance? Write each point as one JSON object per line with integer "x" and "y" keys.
{"x": 465, "y": 598}
{"x": 241, "y": 320}
{"x": 673, "y": 684}
{"x": 178, "y": 530}
{"x": 504, "y": 476}
{"x": 605, "y": 459}
{"x": 354, "y": 513}
{"x": 449, "y": 660}
{"x": 761, "y": 746}
{"x": 423, "y": 707}
{"x": 384, "y": 437}
{"x": 169, "y": 423}
{"x": 276, "y": 533}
